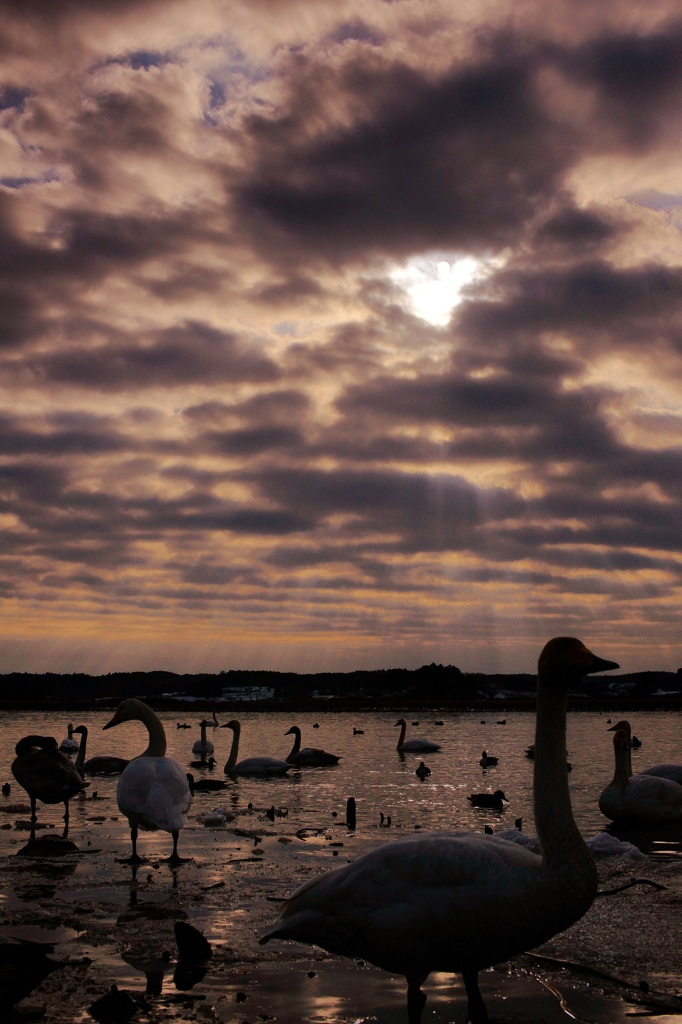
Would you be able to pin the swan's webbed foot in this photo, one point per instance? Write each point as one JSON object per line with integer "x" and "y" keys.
{"x": 175, "y": 859}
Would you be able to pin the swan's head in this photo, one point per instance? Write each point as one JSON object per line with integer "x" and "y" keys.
{"x": 294, "y": 729}
{"x": 33, "y": 742}
{"x": 232, "y": 724}
{"x": 566, "y": 660}
{"x": 621, "y": 727}
{"x": 621, "y": 740}
{"x": 130, "y": 710}
{"x": 401, "y": 721}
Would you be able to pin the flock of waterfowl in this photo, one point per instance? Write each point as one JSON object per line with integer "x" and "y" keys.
{"x": 429, "y": 903}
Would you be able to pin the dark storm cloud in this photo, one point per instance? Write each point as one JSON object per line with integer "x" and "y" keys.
{"x": 176, "y": 356}
{"x": 462, "y": 161}
{"x": 439, "y": 510}
{"x": 625, "y": 306}
{"x": 637, "y": 81}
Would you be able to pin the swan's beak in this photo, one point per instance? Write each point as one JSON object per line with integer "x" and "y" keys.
{"x": 114, "y": 721}
{"x": 598, "y": 664}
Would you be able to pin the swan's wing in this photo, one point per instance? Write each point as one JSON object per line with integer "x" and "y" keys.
{"x": 673, "y": 772}
{"x": 437, "y": 897}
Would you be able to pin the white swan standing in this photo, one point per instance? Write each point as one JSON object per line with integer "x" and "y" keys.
{"x": 153, "y": 791}
{"x": 45, "y": 773}
{"x": 640, "y": 799}
{"x": 68, "y": 744}
{"x": 203, "y": 746}
{"x": 102, "y": 764}
{"x": 661, "y": 771}
{"x": 264, "y": 766}
{"x": 460, "y": 904}
{"x": 416, "y": 746}
{"x": 308, "y": 757}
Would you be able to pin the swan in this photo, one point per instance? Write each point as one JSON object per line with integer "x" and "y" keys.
{"x": 214, "y": 723}
{"x": 638, "y": 798}
{"x": 153, "y": 791}
{"x": 661, "y": 771}
{"x": 202, "y": 746}
{"x": 68, "y": 744}
{"x": 45, "y": 773}
{"x": 486, "y": 761}
{"x": 463, "y": 903}
{"x": 266, "y": 766}
{"x": 413, "y": 746}
{"x": 103, "y": 764}
{"x": 308, "y": 757}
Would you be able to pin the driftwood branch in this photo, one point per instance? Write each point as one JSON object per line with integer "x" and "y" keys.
{"x": 628, "y": 885}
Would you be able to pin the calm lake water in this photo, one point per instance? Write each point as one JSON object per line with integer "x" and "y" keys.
{"x": 241, "y": 868}
{"x": 371, "y": 770}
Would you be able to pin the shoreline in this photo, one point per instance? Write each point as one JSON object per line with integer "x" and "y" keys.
{"x": 612, "y": 705}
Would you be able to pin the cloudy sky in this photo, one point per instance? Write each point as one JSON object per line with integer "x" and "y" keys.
{"x": 339, "y": 334}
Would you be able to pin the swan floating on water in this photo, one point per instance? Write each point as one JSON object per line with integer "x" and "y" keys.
{"x": 102, "y": 764}
{"x": 263, "y": 766}
{"x": 45, "y": 773}
{"x": 661, "y": 771}
{"x": 413, "y": 746}
{"x": 202, "y": 746}
{"x": 308, "y": 757}
{"x": 153, "y": 791}
{"x": 460, "y": 904}
{"x": 641, "y": 799}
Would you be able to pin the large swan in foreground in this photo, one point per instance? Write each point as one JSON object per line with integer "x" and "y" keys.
{"x": 460, "y": 904}
{"x": 153, "y": 791}
{"x": 102, "y": 764}
{"x": 265, "y": 766}
{"x": 416, "y": 746}
{"x": 45, "y": 773}
{"x": 640, "y": 799}
{"x": 661, "y": 771}
{"x": 202, "y": 746}
{"x": 308, "y": 757}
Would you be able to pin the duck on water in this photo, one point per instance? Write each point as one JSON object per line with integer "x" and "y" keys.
{"x": 461, "y": 904}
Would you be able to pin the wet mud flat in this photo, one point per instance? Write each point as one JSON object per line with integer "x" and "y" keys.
{"x": 109, "y": 923}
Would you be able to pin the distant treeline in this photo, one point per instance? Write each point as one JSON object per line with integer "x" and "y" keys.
{"x": 430, "y": 683}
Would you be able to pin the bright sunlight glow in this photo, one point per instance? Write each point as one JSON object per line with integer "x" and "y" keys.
{"x": 433, "y": 285}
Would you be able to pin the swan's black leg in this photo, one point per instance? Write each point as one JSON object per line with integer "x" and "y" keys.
{"x": 174, "y": 858}
{"x": 476, "y": 1011}
{"x": 34, "y": 816}
{"x": 416, "y": 1000}
{"x": 133, "y": 859}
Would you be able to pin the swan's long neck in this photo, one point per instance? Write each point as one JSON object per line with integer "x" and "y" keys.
{"x": 297, "y": 741}
{"x": 202, "y": 726}
{"x": 401, "y": 738}
{"x": 623, "y": 770}
{"x": 232, "y": 759}
{"x": 560, "y": 840}
{"x": 80, "y": 756}
{"x": 157, "y": 736}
